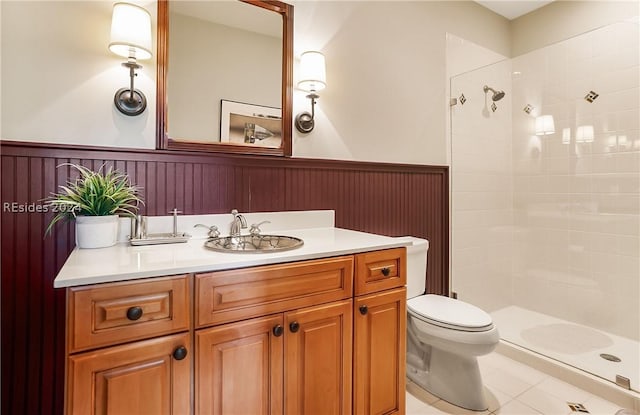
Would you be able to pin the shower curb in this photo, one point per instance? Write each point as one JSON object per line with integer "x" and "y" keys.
{"x": 583, "y": 380}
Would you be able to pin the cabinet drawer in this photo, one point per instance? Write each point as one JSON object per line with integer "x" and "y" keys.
{"x": 107, "y": 314}
{"x": 380, "y": 270}
{"x": 244, "y": 293}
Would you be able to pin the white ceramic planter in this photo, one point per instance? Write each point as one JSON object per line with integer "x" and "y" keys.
{"x": 96, "y": 231}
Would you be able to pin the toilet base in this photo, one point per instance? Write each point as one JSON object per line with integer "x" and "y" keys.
{"x": 451, "y": 377}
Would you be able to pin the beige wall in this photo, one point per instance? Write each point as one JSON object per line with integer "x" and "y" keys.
{"x": 564, "y": 19}
{"x": 244, "y": 66}
{"x": 385, "y": 61}
{"x": 386, "y": 75}
{"x": 59, "y": 77}
{"x": 386, "y": 98}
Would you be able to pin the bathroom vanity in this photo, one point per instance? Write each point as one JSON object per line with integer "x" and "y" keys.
{"x": 182, "y": 329}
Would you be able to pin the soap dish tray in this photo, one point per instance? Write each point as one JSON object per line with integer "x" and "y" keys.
{"x": 160, "y": 238}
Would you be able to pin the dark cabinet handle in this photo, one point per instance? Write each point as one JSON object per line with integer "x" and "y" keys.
{"x": 364, "y": 309}
{"x": 134, "y": 313}
{"x": 180, "y": 353}
{"x": 294, "y": 327}
{"x": 278, "y": 330}
{"x": 386, "y": 271}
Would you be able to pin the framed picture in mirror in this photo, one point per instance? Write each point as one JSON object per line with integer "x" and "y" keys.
{"x": 250, "y": 124}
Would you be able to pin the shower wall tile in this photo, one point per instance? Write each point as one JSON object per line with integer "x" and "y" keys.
{"x": 482, "y": 189}
{"x": 627, "y": 162}
{"x": 626, "y": 225}
{"x": 628, "y": 120}
{"x": 628, "y": 245}
{"x": 562, "y": 216}
{"x": 603, "y": 243}
{"x": 618, "y": 80}
{"x": 577, "y": 204}
{"x": 629, "y": 265}
{"x": 580, "y": 183}
{"x": 603, "y": 163}
{"x": 466, "y": 219}
{"x": 498, "y": 217}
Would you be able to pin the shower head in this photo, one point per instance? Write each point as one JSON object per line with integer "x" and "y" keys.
{"x": 497, "y": 95}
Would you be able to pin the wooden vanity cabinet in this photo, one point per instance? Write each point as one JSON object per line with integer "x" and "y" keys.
{"x": 295, "y": 361}
{"x": 293, "y": 338}
{"x": 380, "y": 333}
{"x": 124, "y": 356}
{"x": 285, "y": 363}
{"x": 379, "y": 352}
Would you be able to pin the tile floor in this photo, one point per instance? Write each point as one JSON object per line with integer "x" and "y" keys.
{"x": 514, "y": 389}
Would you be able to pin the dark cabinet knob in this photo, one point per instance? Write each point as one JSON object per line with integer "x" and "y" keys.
{"x": 134, "y": 313}
{"x": 180, "y": 353}
{"x": 364, "y": 309}
{"x": 386, "y": 271}
{"x": 278, "y": 330}
{"x": 294, "y": 327}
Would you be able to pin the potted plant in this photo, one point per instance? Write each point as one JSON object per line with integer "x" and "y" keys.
{"x": 94, "y": 200}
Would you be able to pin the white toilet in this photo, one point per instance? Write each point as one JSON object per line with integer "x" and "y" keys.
{"x": 444, "y": 338}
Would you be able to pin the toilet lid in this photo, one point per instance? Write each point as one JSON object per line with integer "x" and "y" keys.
{"x": 447, "y": 312}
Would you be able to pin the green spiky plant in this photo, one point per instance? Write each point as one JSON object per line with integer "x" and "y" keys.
{"x": 94, "y": 193}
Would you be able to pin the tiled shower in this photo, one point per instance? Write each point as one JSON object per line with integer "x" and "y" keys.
{"x": 546, "y": 219}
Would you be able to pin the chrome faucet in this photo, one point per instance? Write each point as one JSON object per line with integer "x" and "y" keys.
{"x": 238, "y": 223}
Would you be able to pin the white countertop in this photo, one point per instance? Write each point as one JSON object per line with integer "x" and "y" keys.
{"x": 124, "y": 262}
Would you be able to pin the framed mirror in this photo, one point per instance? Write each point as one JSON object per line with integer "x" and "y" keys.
{"x": 225, "y": 75}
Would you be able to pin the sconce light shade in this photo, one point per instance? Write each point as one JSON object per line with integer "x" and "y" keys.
{"x": 130, "y": 31}
{"x": 313, "y": 76}
{"x": 584, "y": 134}
{"x": 545, "y": 125}
{"x": 131, "y": 39}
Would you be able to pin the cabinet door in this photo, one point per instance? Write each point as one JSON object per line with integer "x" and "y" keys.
{"x": 380, "y": 342}
{"x": 145, "y": 377}
{"x": 239, "y": 368}
{"x": 318, "y": 360}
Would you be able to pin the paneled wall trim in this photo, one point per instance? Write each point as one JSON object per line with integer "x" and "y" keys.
{"x": 388, "y": 199}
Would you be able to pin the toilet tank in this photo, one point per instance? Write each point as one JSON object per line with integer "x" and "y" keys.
{"x": 416, "y": 265}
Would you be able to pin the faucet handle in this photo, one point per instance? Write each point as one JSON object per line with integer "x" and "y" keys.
{"x": 213, "y": 230}
{"x": 255, "y": 228}
{"x": 174, "y": 211}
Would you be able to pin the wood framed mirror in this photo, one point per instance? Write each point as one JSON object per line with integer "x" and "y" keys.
{"x": 225, "y": 76}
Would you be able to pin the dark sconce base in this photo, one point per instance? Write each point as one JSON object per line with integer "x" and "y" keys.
{"x": 304, "y": 121}
{"x": 130, "y": 101}
{"x": 128, "y": 104}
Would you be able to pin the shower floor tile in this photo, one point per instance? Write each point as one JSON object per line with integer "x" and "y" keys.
{"x": 513, "y": 389}
{"x": 574, "y": 344}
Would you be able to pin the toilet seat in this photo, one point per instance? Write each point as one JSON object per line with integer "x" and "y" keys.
{"x": 449, "y": 313}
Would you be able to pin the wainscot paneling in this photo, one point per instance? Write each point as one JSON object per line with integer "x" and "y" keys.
{"x": 388, "y": 199}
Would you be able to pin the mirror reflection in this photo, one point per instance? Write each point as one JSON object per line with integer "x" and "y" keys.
{"x": 224, "y": 74}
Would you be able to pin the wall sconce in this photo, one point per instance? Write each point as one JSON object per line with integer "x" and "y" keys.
{"x": 313, "y": 78}
{"x": 130, "y": 38}
{"x": 584, "y": 134}
{"x": 545, "y": 125}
